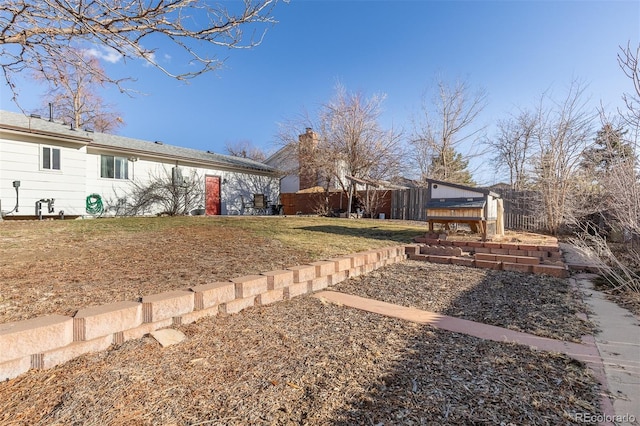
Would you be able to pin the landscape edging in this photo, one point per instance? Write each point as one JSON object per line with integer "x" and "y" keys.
{"x": 47, "y": 341}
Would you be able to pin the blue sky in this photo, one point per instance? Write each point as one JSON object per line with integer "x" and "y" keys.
{"x": 515, "y": 50}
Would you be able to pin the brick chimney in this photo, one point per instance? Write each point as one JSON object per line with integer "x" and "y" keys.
{"x": 308, "y": 144}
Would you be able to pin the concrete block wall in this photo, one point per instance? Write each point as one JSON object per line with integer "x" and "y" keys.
{"x": 51, "y": 340}
{"x": 528, "y": 258}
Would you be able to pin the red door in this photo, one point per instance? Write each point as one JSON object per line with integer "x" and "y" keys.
{"x": 212, "y": 195}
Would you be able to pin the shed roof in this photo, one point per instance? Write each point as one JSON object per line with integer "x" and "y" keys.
{"x": 35, "y": 125}
{"x": 480, "y": 190}
{"x": 455, "y": 204}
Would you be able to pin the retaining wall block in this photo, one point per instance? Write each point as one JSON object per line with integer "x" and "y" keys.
{"x": 513, "y": 252}
{"x": 506, "y": 258}
{"x": 212, "y": 294}
{"x": 357, "y": 259}
{"x": 194, "y": 316}
{"x": 295, "y": 290}
{"x": 236, "y": 305}
{"x": 475, "y": 244}
{"x": 492, "y": 245}
{"x": 303, "y": 273}
{"x": 527, "y": 247}
{"x": 324, "y": 268}
{"x": 341, "y": 263}
{"x": 388, "y": 253}
{"x": 368, "y": 268}
{"x": 528, "y": 260}
{"x": 99, "y": 321}
{"x": 421, "y": 257}
{"x": 463, "y": 261}
{"x": 555, "y": 271}
{"x": 517, "y": 267}
{"x": 412, "y": 249}
{"x": 548, "y": 248}
{"x": 460, "y": 243}
{"x": 66, "y": 353}
{"x": 371, "y": 256}
{"x": 340, "y": 276}
{"x": 482, "y": 250}
{"x": 24, "y": 338}
{"x": 278, "y": 278}
{"x": 170, "y": 304}
{"x": 487, "y": 264}
{"x": 555, "y": 255}
{"x": 319, "y": 283}
{"x": 509, "y": 246}
{"x": 14, "y": 368}
{"x": 485, "y": 256}
{"x": 500, "y": 251}
{"x": 270, "y": 296}
{"x": 250, "y": 285}
{"x": 142, "y": 330}
{"x": 439, "y": 259}
{"x": 537, "y": 254}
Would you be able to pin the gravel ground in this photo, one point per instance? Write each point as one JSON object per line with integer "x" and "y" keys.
{"x": 305, "y": 362}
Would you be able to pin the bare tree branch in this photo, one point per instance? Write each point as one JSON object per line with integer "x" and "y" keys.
{"x": 445, "y": 124}
{"x": 36, "y": 34}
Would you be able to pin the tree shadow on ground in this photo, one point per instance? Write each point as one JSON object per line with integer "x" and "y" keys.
{"x": 367, "y": 231}
{"x": 441, "y": 377}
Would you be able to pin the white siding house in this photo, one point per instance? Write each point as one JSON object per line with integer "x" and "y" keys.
{"x": 49, "y": 160}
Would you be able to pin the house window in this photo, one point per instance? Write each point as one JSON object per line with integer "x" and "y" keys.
{"x": 113, "y": 167}
{"x": 50, "y": 158}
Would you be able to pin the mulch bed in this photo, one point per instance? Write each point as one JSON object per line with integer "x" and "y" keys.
{"x": 536, "y": 304}
{"x": 306, "y": 361}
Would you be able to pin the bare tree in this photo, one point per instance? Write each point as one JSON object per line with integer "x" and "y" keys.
{"x": 34, "y": 35}
{"x": 161, "y": 194}
{"x": 614, "y": 166}
{"x": 245, "y": 149}
{"x": 512, "y": 146}
{"x": 73, "y": 95}
{"x": 563, "y": 132}
{"x": 445, "y": 124}
{"x": 628, "y": 61}
{"x": 354, "y": 143}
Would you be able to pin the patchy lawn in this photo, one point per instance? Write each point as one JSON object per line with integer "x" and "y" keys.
{"x": 301, "y": 361}
{"x": 56, "y": 267}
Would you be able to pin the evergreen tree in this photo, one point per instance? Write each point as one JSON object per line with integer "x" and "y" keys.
{"x": 450, "y": 166}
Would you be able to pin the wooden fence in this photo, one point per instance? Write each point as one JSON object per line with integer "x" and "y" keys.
{"x": 409, "y": 204}
{"x": 521, "y": 208}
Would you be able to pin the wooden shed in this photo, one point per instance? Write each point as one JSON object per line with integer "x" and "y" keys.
{"x": 479, "y": 208}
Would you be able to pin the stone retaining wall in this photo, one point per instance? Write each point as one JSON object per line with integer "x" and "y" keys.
{"x": 50, "y": 340}
{"x": 528, "y": 258}
{"x": 47, "y": 341}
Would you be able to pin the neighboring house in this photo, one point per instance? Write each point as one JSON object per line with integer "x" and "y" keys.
{"x": 49, "y": 160}
{"x": 449, "y": 203}
{"x": 299, "y": 166}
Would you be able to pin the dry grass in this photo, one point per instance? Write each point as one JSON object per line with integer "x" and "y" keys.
{"x": 295, "y": 362}
{"x": 55, "y": 267}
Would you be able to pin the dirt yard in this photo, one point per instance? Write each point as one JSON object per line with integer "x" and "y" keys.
{"x": 302, "y": 361}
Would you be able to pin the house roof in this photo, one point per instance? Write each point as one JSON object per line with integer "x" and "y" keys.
{"x": 39, "y": 126}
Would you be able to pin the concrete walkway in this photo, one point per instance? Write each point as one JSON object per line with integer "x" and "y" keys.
{"x": 618, "y": 341}
{"x": 620, "y": 364}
